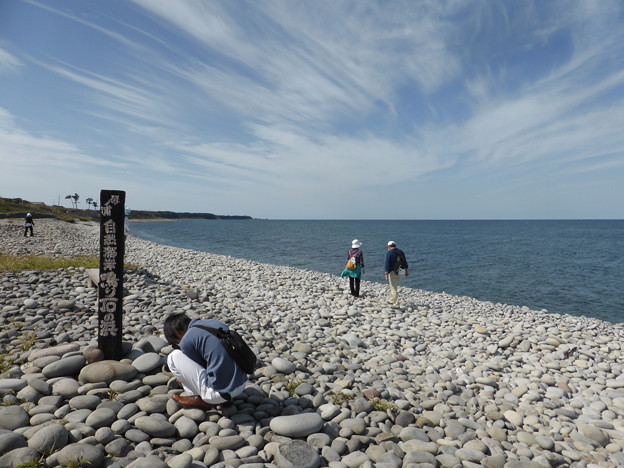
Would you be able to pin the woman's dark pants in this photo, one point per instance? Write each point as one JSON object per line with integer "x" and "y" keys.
{"x": 354, "y": 284}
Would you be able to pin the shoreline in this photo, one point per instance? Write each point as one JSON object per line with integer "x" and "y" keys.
{"x": 489, "y": 268}
{"x": 463, "y": 382}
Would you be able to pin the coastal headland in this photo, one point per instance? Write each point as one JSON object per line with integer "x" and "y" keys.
{"x": 441, "y": 381}
{"x": 16, "y": 208}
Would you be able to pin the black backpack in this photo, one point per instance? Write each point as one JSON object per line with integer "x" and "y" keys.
{"x": 401, "y": 261}
{"x": 235, "y": 346}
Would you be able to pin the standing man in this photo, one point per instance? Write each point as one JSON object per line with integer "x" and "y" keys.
{"x": 395, "y": 260}
{"x": 206, "y": 371}
{"x": 28, "y": 225}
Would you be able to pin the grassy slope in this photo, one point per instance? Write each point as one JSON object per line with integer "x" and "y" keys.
{"x": 12, "y": 209}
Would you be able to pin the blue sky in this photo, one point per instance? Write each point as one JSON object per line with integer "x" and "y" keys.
{"x": 317, "y": 109}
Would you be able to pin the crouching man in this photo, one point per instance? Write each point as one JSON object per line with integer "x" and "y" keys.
{"x": 208, "y": 374}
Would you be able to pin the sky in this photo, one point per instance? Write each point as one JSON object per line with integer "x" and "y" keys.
{"x": 459, "y": 109}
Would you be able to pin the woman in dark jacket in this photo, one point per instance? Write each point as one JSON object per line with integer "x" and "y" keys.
{"x": 355, "y": 274}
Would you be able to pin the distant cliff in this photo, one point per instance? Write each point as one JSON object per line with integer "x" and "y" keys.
{"x": 18, "y": 207}
{"x": 140, "y": 214}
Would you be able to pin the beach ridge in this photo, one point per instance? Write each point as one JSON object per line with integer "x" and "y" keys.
{"x": 443, "y": 380}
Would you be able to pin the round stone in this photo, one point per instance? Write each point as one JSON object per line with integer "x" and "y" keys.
{"x": 88, "y": 454}
{"x": 107, "y": 372}
{"x": 283, "y": 365}
{"x": 101, "y": 417}
{"x": 69, "y": 366}
{"x": 85, "y": 401}
{"x": 187, "y": 428}
{"x": 297, "y": 454}
{"x": 513, "y": 417}
{"x": 11, "y": 441}
{"x": 49, "y": 438}
{"x": 147, "y": 362}
{"x": 13, "y": 417}
{"x": 297, "y": 425}
{"x": 154, "y": 426}
{"x": 12, "y": 385}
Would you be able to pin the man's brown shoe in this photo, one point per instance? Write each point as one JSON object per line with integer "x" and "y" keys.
{"x": 194, "y": 401}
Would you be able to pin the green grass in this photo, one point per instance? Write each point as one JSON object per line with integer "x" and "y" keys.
{"x": 35, "y": 262}
{"x": 16, "y": 264}
{"x": 17, "y": 324}
{"x": 76, "y": 463}
{"x": 11, "y": 209}
{"x": 5, "y": 363}
{"x": 340, "y": 398}
{"x": 383, "y": 405}
{"x": 292, "y": 385}
{"x": 38, "y": 463}
{"x": 28, "y": 340}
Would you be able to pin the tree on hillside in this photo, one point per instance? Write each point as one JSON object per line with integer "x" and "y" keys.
{"x": 75, "y": 196}
{"x": 71, "y": 199}
{"x": 95, "y": 205}
{"x": 89, "y": 202}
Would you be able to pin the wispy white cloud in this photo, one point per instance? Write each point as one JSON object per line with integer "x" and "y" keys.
{"x": 37, "y": 166}
{"x": 245, "y": 100}
{"x": 8, "y": 62}
{"x": 75, "y": 17}
{"x": 312, "y": 63}
{"x": 22, "y": 151}
{"x": 111, "y": 94}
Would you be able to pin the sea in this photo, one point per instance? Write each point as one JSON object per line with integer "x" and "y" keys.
{"x": 571, "y": 267}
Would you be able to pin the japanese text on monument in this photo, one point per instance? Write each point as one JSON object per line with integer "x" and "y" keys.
{"x": 110, "y": 284}
{"x": 108, "y": 267}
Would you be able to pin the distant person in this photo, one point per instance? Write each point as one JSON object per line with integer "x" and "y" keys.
{"x": 29, "y": 225}
{"x": 395, "y": 261}
{"x": 209, "y": 376}
{"x": 355, "y": 257}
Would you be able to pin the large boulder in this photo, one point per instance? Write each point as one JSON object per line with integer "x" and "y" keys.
{"x": 107, "y": 371}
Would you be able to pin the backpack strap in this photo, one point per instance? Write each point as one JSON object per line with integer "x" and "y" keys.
{"x": 218, "y": 332}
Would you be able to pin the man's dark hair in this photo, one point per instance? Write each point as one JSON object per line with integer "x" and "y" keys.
{"x": 175, "y": 323}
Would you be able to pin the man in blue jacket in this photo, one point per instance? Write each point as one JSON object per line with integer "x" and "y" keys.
{"x": 207, "y": 372}
{"x": 395, "y": 260}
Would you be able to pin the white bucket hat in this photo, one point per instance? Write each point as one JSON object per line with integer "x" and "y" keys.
{"x": 355, "y": 244}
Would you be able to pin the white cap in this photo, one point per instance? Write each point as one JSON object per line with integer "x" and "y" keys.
{"x": 391, "y": 244}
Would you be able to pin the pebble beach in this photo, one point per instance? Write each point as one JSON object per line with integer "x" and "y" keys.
{"x": 441, "y": 381}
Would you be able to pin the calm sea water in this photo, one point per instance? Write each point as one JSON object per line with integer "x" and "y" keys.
{"x": 571, "y": 267}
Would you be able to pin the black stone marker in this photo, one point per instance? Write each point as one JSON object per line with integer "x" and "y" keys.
{"x": 110, "y": 287}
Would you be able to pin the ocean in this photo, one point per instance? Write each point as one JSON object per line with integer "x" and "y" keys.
{"x": 568, "y": 267}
